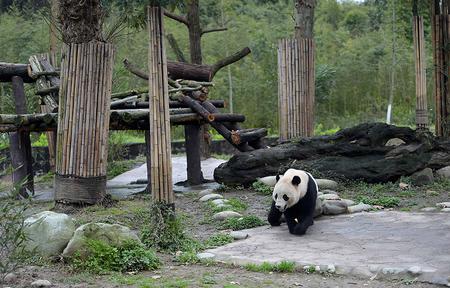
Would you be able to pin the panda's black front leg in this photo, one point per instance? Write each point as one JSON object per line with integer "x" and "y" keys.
{"x": 274, "y": 217}
{"x": 299, "y": 226}
{"x": 303, "y": 225}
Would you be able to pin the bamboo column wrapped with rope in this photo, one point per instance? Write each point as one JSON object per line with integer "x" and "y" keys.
{"x": 296, "y": 88}
{"x": 160, "y": 170}
{"x": 84, "y": 101}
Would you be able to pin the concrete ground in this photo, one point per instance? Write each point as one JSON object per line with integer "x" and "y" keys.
{"x": 130, "y": 182}
{"x": 384, "y": 244}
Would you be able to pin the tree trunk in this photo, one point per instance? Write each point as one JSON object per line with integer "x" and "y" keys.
{"x": 304, "y": 18}
{"x": 195, "y": 32}
{"x": 357, "y": 153}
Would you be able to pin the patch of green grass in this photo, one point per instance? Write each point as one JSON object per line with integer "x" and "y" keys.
{"x": 385, "y": 201}
{"x": 102, "y": 257}
{"x": 217, "y": 240}
{"x": 46, "y": 178}
{"x": 116, "y": 168}
{"x": 281, "y": 267}
{"x": 163, "y": 230}
{"x": 187, "y": 257}
{"x": 262, "y": 188}
{"x": 143, "y": 281}
{"x": 222, "y": 156}
{"x": 233, "y": 204}
{"x": 241, "y": 223}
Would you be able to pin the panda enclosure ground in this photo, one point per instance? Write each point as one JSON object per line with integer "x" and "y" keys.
{"x": 196, "y": 221}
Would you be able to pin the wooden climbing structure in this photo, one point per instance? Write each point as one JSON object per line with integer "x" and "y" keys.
{"x": 188, "y": 103}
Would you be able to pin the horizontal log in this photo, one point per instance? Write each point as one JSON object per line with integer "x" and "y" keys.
{"x": 8, "y": 70}
{"x": 243, "y": 136}
{"x": 188, "y": 71}
{"x": 131, "y": 119}
{"x": 228, "y": 117}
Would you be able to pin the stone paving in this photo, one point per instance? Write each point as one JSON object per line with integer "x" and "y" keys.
{"x": 125, "y": 185}
{"x": 385, "y": 244}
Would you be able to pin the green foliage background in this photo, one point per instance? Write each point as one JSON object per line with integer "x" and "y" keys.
{"x": 353, "y": 54}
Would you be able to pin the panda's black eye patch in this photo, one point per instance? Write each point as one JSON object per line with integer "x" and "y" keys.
{"x": 276, "y": 196}
{"x": 285, "y": 197}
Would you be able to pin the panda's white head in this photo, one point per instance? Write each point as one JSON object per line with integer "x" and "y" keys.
{"x": 290, "y": 188}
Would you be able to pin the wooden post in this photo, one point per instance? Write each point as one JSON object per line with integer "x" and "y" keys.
{"x": 161, "y": 161}
{"x": 421, "y": 77}
{"x": 192, "y": 144}
{"x": 20, "y": 145}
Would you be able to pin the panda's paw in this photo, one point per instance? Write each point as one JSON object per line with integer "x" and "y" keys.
{"x": 274, "y": 222}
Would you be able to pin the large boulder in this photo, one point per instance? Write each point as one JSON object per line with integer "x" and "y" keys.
{"x": 112, "y": 234}
{"x": 48, "y": 233}
{"x": 422, "y": 177}
{"x": 444, "y": 172}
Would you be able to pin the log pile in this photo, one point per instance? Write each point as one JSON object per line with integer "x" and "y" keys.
{"x": 357, "y": 153}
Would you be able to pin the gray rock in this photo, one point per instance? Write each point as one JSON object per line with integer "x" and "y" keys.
{"x": 334, "y": 207}
{"x": 445, "y": 210}
{"x": 238, "y": 235}
{"x": 225, "y": 215}
{"x": 359, "y": 208}
{"x": 329, "y": 197}
{"x": 112, "y": 234}
{"x": 10, "y": 278}
{"x": 326, "y": 184}
{"x": 392, "y": 271}
{"x": 48, "y": 233}
{"x": 210, "y": 197}
{"x": 348, "y": 202}
{"x": 395, "y": 142}
{"x": 415, "y": 270}
{"x": 219, "y": 201}
{"x": 205, "y": 192}
{"x": 318, "y": 210}
{"x": 223, "y": 206}
{"x": 328, "y": 191}
{"x": 422, "y": 177}
{"x": 41, "y": 283}
{"x": 444, "y": 172}
{"x": 428, "y": 209}
{"x": 443, "y": 205}
{"x": 205, "y": 255}
{"x": 331, "y": 268}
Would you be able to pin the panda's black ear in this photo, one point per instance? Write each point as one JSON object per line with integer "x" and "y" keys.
{"x": 296, "y": 180}
{"x": 277, "y": 177}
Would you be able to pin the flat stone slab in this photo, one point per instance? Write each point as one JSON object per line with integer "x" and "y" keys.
{"x": 120, "y": 187}
{"x": 379, "y": 244}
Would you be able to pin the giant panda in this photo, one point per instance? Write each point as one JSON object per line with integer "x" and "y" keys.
{"x": 294, "y": 195}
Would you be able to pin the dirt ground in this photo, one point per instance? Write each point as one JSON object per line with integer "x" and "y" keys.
{"x": 196, "y": 218}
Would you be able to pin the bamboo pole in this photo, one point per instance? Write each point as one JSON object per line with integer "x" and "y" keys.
{"x": 420, "y": 66}
{"x": 160, "y": 178}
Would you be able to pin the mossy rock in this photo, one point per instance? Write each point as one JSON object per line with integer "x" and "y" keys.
{"x": 113, "y": 234}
